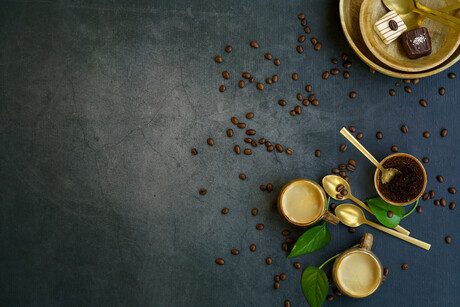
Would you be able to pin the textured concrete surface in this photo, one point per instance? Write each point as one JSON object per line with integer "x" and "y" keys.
{"x": 101, "y": 102}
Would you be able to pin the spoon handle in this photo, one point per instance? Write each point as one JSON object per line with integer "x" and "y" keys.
{"x": 360, "y": 147}
{"x": 426, "y": 9}
{"x": 366, "y": 207}
{"x": 414, "y": 241}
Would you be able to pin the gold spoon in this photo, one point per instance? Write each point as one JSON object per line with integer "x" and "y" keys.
{"x": 426, "y": 9}
{"x": 413, "y": 16}
{"x": 330, "y": 184}
{"x": 352, "y": 216}
{"x": 387, "y": 173}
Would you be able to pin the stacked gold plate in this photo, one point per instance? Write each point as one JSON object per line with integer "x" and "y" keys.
{"x": 446, "y": 50}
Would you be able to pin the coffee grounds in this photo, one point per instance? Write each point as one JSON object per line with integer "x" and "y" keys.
{"x": 405, "y": 186}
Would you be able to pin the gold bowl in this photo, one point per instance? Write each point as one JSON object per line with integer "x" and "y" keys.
{"x": 349, "y": 18}
{"x": 444, "y": 40}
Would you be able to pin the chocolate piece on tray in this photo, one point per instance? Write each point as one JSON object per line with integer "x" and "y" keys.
{"x": 390, "y": 27}
{"x": 416, "y": 43}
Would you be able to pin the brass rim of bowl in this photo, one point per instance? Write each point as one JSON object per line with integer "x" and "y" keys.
{"x": 376, "y": 178}
{"x": 353, "y": 251}
{"x": 323, "y": 195}
{"x": 383, "y": 70}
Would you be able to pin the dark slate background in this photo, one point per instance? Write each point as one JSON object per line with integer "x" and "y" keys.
{"x": 101, "y": 102}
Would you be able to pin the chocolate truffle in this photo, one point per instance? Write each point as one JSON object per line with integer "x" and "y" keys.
{"x": 416, "y": 43}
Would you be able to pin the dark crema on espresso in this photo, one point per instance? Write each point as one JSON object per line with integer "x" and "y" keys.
{"x": 405, "y": 186}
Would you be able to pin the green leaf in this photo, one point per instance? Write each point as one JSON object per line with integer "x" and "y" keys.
{"x": 380, "y": 208}
{"x": 314, "y": 286}
{"x": 312, "y": 240}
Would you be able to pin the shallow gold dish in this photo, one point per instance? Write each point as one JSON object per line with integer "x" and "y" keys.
{"x": 444, "y": 40}
{"x": 349, "y": 18}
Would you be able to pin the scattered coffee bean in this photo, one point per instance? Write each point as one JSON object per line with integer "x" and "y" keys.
{"x": 307, "y": 29}
{"x": 404, "y": 129}
{"x": 194, "y": 151}
{"x": 405, "y": 266}
{"x": 317, "y": 153}
{"x": 254, "y": 45}
{"x": 392, "y": 92}
{"x": 350, "y": 168}
{"x": 220, "y": 261}
{"x": 276, "y": 278}
{"x": 289, "y": 151}
{"x": 268, "y": 56}
{"x": 408, "y": 89}
{"x": 419, "y": 209}
{"x": 203, "y": 192}
{"x": 295, "y": 76}
{"x": 386, "y": 271}
{"x": 452, "y": 206}
{"x": 234, "y": 120}
{"x": 241, "y": 84}
{"x": 241, "y": 125}
{"x": 269, "y": 260}
{"x": 301, "y": 38}
{"x": 423, "y": 103}
{"x": 440, "y": 178}
{"x": 347, "y": 64}
{"x": 415, "y": 81}
{"x": 235, "y": 251}
{"x": 432, "y": 194}
{"x": 352, "y": 129}
{"x": 270, "y": 148}
{"x": 226, "y": 75}
{"x": 297, "y": 265}
{"x": 283, "y": 276}
{"x": 448, "y": 239}
{"x": 425, "y": 160}
{"x": 426, "y": 134}
{"x": 298, "y": 110}
{"x": 228, "y": 49}
{"x": 426, "y": 196}
{"x": 394, "y": 148}
{"x": 332, "y": 206}
{"x": 444, "y": 132}
{"x": 452, "y": 190}
{"x": 443, "y": 202}
{"x": 299, "y": 49}
{"x": 279, "y": 148}
{"x": 247, "y": 151}
{"x": 397, "y": 84}
{"x": 287, "y": 303}
{"x": 352, "y": 162}
{"x": 390, "y": 214}
{"x": 275, "y": 78}
{"x": 359, "y": 136}
{"x": 452, "y": 75}
{"x": 343, "y": 147}
{"x": 225, "y": 211}
{"x": 437, "y": 203}
{"x": 318, "y": 46}
{"x": 246, "y": 75}
{"x": 222, "y": 88}
{"x": 277, "y": 62}
{"x": 301, "y": 16}
{"x": 334, "y": 71}
{"x": 252, "y": 247}
{"x": 268, "y": 81}
{"x": 260, "y": 226}
{"x": 442, "y": 91}
{"x": 229, "y": 133}
{"x": 406, "y": 81}
{"x": 263, "y": 187}
{"x": 325, "y": 75}
{"x": 210, "y": 141}
{"x": 237, "y": 149}
{"x": 329, "y": 298}
{"x": 269, "y": 187}
{"x": 282, "y": 102}
{"x": 306, "y": 102}
{"x": 342, "y": 174}
{"x": 248, "y": 140}
{"x": 308, "y": 88}
{"x": 346, "y": 74}
{"x": 351, "y": 229}
{"x": 379, "y": 135}
{"x": 371, "y": 70}
{"x": 277, "y": 285}
{"x": 337, "y": 292}
{"x": 344, "y": 56}
{"x": 255, "y": 211}
{"x": 303, "y": 22}
{"x": 218, "y": 59}
{"x": 289, "y": 240}
{"x": 251, "y": 132}
{"x": 335, "y": 171}
{"x": 242, "y": 176}
{"x": 353, "y": 95}
{"x": 260, "y": 86}
{"x": 252, "y": 79}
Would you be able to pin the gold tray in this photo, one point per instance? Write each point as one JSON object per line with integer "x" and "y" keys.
{"x": 349, "y": 18}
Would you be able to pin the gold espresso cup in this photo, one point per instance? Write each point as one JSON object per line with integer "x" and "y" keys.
{"x": 303, "y": 202}
{"x": 357, "y": 272}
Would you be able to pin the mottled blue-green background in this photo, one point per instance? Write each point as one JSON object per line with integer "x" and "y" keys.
{"x": 100, "y": 104}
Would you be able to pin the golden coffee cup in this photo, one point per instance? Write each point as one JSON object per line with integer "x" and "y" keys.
{"x": 303, "y": 202}
{"x": 378, "y": 172}
{"x": 357, "y": 272}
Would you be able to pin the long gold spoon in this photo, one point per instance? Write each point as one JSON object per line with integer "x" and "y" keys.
{"x": 387, "y": 173}
{"x": 352, "y": 216}
{"x": 331, "y": 184}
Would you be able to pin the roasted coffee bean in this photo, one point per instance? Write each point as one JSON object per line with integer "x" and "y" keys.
{"x": 352, "y": 129}
{"x": 308, "y": 88}
{"x": 277, "y": 285}
{"x": 337, "y": 292}
{"x": 275, "y": 78}
{"x": 425, "y": 160}
{"x": 406, "y": 81}
{"x": 351, "y": 229}
{"x": 269, "y": 260}
{"x": 298, "y": 109}
{"x": 210, "y": 141}
{"x": 332, "y": 206}
{"x": 448, "y": 239}
{"x": 426, "y": 196}
{"x": 344, "y": 56}
{"x": 299, "y": 49}
{"x": 392, "y": 92}
{"x": 303, "y": 22}
{"x": 350, "y": 168}
{"x": 386, "y": 271}
{"x": 437, "y": 203}
{"x": 313, "y": 40}
{"x": 260, "y": 226}
{"x": 426, "y": 134}
{"x": 347, "y": 64}
{"x": 241, "y": 84}
{"x": 284, "y": 246}
{"x": 432, "y": 194}
{"x": 222, "y": 88}
{"x": 254, "y": 45}
{"x": 242, "y": 176}
{"x": 277, "y": 62}
{"x": 359, "y": 136}
{"x": 419, "y": 209}
{"x": 452, "y": 206}
{"x": 442, "y": 91}
{"x": 306, "y": 102}
{"x": 325, "y": 75}
{"x": 268, "y": 81}
{"x": 269, "y": 187}
{"x": 301, "y": 38}
{"x": 218, "y": 59}
{"x": 307, "y": 29}
{"x": 235, "y": 251}
{"x": 276, "y": 278}
{"x": 252, "y": 79}
{"x": 289, "y": 240}
{"x": 220, "y": 261}
{"x": 311, "y": 97}
{"x": 444, "y": 132}
{"x": 394, "y": 148}
{"x": 408, "y": 89}
{"x": 352, "y": 162}
{"x": 397, "y": 84}
{"x": 287, "y": 303}
{"x": 270, "y": 148}
{"x": 260, "y": 86}
{"x": 282, "y": 102}
{"x": 423, "y": 103}
{"x": 415, "y": 81}
{"x": 299, "y": 97}
{"x": 241, "y": 125}
{"x": 335, "y": 171}
{"x": 390, "y": 214}
{"x": 330, "y": 298}
{"x": 318, "y": 46}
{"x": 283, "y": 276}
{"x": 226, "y": 75}
{"x": 334, "y": 71}
{"x": 229, "y": 133}
{"x": 297, "y": 265}
{"x": 254, "y": 143}
{"x": 371, "y": 70}
{"x": 346, "y": 74}
{"x": 342, "y": 166}
{"x": 405, "y": 266}
{"x": 404, "y": 129}
{"x": 234, "y": 120}
{"x": 289, "y": 151}
{"x": 252, "y": 247}
{"x": 443, "y": 202}
{"x": 194, "y": 151}
{"x": 279, "y": 148}
{"x": 344, "y": 192}
{"x": 452, "y": 190}
{"x": 251, "y": 132}
{"x": 248, "y": 140}
{"x": 203, "y": 192}
{"x": 339, "y": 196}
{"x": 343, "y": 147}
{"x": 452, "y": 75}
{"x": 225, "y": 211}
{"x": 237, "y": 149}
{"x": 255, "y": 211}
{"x": 228, "y": 49}
{"x": 340, "y": 188}
{"x": 295, "y": 76}
{"x": 317, "y": 153}
{"x": 353, "y": 95}
{"x": 246, "y": 75}
{"x": 440, "y": 178}
{"x": 379, "y": 135}
{"x": 247, "y": 151}
{"x": 301, "y": 16}
{"x": 347, "y": 179}
{"x": 249, "y": 115}
{"x": 268, "y": 56}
